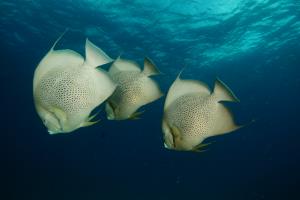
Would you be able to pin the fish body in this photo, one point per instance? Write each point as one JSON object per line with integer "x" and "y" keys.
{"x": 67, "y": 87}
{"x": 135, "y": 89}
{"x": 192, "y": 113}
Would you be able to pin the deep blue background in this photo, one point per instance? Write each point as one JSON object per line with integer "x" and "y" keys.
{"x": 126, "y": 159}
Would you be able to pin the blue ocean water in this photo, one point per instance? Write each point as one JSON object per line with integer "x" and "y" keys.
{"x": 252, "y": 45}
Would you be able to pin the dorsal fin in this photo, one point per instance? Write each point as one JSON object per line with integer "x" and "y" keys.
{"x": 182, "y": 87}
{"x": 150, "y": 68}
{"x": 56, "y": 59}
{"x": 123, "y": 65}
{"x": 94, "y": 56}
{"x": 223, "y": 92}
{"x": 58, "y": 39}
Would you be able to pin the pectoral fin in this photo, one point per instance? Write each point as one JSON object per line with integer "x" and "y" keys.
{"x": 60, "y": 114}
{"x": 89, "y": 123}
{"x": 199, "y": 148}
{"x": 136, "y": 115}
{"x": 93, "y": 116}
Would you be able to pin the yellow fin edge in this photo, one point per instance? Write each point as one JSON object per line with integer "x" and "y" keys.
{"x": 90, "y": 123}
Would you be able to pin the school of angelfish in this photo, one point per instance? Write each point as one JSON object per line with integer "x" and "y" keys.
{"x": 68, "y": 87}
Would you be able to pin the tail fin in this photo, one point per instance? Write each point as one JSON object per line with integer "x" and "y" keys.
{"x": 224, "y": 122}
{"x": 223, "y": 92}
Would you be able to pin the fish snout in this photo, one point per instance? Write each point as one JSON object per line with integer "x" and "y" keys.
{"x": 168, "y": 136}
{"x": 53, "y": 125}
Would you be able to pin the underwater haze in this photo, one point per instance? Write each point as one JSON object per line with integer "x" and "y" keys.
{"x": 251, "y": 45}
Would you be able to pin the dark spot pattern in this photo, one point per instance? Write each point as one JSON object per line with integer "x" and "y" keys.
{"x": 70, "y": 90}
{"x": 192, "y": 114}
{"x": 129, "y": 91}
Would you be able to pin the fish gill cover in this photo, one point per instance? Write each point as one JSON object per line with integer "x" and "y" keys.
{"x": 253, "y": 45}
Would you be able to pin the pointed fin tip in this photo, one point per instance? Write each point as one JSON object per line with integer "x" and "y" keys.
{"x": 247, "y": 124}
{"x": 224, "y": 91}
{"x": 150, "y": 68}
{"x": 121, "y": 64}
{"x": 120, "y": 55}
{"x": 204, "y": 87}
{"x": 95, "y": 56}
{"x": 199, "y": 151}
{"x": 179, "y": 74}
{"x": 90, "y": 123}
{"x": 118, "y": 59}
{"x": 58, "y": 39}
{"x": 94, "y": 115}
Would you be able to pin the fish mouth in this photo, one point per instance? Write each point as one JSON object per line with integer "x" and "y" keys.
{"x": 168, "y": 135}
{"x": 166, "y": 146}
{"x": 169, "y": 141}
{"x": 53, "y": 124}
{"x": 52, "y": 132}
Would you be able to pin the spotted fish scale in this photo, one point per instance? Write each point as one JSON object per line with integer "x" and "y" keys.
{"x": 194, "y": 113}
{"x": 191, "y": 114}
{"x": 129, "y": 90}
{"x": 134, "y": 89}
{"x": 67, "y": 90}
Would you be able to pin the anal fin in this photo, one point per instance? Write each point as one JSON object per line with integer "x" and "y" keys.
{"x": 93, "y": 116}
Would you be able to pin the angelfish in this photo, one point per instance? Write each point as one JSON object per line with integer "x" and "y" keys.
{"x": 67, "y": 87}
{"x": 135, "y": 88}
{"x": 193, "y": 113}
